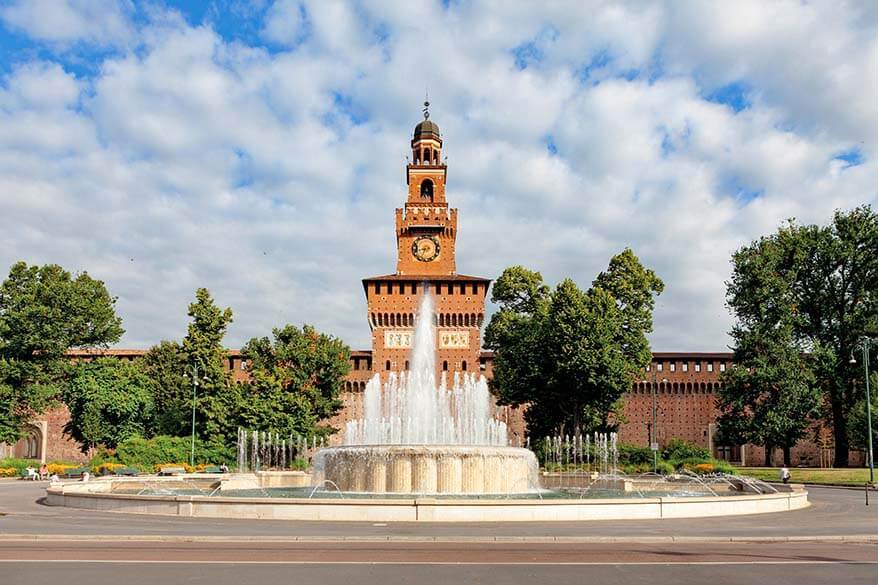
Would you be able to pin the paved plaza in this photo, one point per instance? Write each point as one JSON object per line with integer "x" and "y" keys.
{"x": 836, "y": 539}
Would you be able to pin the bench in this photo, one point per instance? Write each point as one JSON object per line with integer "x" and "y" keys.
{"x": 126, "y": 471}
{"x": 75, "y": 472}
{"x": 213, "y": 469}
{"x": 30, "y": 473}
{"x": 171, "y": 470}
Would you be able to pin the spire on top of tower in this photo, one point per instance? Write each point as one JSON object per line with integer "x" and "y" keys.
{"x": 427, "y": 128}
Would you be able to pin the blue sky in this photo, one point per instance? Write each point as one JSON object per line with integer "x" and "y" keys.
{"x": 257, "y": 148}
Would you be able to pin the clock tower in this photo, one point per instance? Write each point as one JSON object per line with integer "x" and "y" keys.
{"x": 426, "y": 232}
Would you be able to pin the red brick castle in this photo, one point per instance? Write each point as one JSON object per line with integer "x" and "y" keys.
{"x": 426, "y": 232}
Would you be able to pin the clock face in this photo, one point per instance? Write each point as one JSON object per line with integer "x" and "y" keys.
{"x": 426, "y": 248}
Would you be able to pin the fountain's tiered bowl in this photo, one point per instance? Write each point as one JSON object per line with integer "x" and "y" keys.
{"x": 428, "y": 469}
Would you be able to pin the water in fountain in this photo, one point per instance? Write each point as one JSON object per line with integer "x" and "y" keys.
{"x": 409, "y": 409}
{"x": 599, "y": 452}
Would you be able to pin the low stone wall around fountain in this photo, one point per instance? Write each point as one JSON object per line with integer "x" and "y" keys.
{"x": 427, "y": 469}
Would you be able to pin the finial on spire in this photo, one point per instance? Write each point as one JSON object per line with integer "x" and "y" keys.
{"x": 426, "y": 104}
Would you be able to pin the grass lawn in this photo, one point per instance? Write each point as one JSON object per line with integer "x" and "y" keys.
{"x": 851, "y": 476}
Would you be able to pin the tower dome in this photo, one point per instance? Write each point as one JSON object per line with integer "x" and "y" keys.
{"x": 427, "y": 129}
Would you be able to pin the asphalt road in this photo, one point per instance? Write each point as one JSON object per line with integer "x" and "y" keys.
{"x": 342, "y": 574}
{"x": 42, "y": 544}
{"x": 136, "y": 563}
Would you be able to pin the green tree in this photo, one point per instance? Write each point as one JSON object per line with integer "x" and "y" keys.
{"x": 826, "y": 278}
{"x": 296, "y": 378}
{"x": 768, "y": 396}
{"x": 165, "y": 364}
{"x": 44, "y": 312}
{"x": 110, "y": 400}
{"x": 205, "y": 363}
{"x": 570, "y": 355}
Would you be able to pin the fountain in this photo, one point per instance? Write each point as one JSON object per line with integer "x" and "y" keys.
{"x": 420, "y": 437}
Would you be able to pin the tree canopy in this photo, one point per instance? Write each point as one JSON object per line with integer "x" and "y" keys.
{"x": 296, "y": 378}
{"x": 821, "y": 282}
{"x": 205, "y": 357}
{"x": 165, "y": 364}
{"x": 110, "y": 400}
{"x": 769, "y": 395}
{"x": 569, "y": 354}
{"x": 44, "y": 312}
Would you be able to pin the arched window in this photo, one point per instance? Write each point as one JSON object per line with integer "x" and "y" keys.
{"x": 463, "y": 365}
{"x": 445, "y": 366}
{"x": 427, "y": 189}
{"x": 387, "y": 365}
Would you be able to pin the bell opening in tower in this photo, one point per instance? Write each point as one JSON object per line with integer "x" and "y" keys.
{"x": 427, "y": 189}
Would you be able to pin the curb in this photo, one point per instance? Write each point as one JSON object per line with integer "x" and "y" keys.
{"x": 859, "y": 538}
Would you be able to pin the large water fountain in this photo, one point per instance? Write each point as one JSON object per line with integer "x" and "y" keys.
{"x": 417, "y": 436}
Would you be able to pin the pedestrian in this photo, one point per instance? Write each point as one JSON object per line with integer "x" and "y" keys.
{"x": 784, "y": 474}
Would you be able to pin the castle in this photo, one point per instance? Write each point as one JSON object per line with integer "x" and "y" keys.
{"x": 680, "y": 387}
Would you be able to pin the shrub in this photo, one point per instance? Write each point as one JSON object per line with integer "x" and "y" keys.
{"x": 702, "y": 467}
{"x": 300, "y": 465}
{"x": 8, "y": 472}
{"x": 634, "y": 455}
{"x": 679, "y": 449}
{"x": 19, "y": 465}
{"x": 106, "y": 468}
{"x": 164, "y": 450}
{"x": 59, "y": 468}
{"x": 665, "y": 467}
{"x": 661, "y": 467}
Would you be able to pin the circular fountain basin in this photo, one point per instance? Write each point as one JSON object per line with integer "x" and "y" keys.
{"x": 180, "y": 498}
{"x": 427, "y": 469}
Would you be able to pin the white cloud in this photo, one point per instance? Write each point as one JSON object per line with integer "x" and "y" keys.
{"x": 102, "y": 22}
{"x": 283, "y": 23}
{"x": 271, "y": 176}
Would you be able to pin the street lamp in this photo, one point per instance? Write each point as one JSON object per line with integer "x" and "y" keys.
{"x": 194, "y": 394}
{"x": 865, "y": 344}
{"x": 653, "y": 444}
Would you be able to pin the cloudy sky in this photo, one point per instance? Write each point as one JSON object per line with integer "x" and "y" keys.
{"x": 258, "y": 148}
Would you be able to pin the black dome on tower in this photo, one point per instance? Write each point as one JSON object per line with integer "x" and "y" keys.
{"x": 427, "y": 129}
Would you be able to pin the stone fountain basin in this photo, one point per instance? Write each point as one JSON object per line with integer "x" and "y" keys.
{"x": 427, "y": 469}
{"x": 101, "y": 494}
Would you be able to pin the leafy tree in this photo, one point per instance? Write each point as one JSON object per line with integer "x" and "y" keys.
{"x": 205, "y": 363}
{"x": 110, "y": 400}
{"x": 44, "y": 312}
{"x": 769, "y": 396}
{"x": 826, "y": 279}
{"x": 571, "y": 355}
{"x": 165, "y": 364}
{"x": 295, "y": 381}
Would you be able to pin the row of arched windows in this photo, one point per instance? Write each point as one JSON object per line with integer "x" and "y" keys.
{"x": 450, "y": 288}
{"x": 354, "y": 386}
{"x": 677, "y": 388}
{"x": 426, "y": 156}
{"x": 439, "y": 320}
{"x": 388, "y": 365}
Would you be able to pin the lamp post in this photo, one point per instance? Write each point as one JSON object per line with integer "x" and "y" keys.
{"x": 653, "y": 444}
{"x": 194, "y": 396}
{"x": 866, "y": 344}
